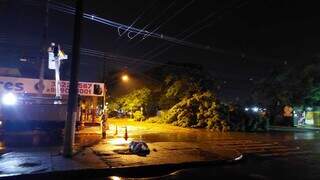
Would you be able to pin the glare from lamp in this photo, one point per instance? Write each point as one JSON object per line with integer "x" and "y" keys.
{"x": 125, "y": 78}
{"x": 9, "y": 99}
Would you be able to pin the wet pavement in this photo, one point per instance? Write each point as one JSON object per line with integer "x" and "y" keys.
{"x": 289, "y": 167}
{"x": 39, "y": 152}
{"x": 168, "y": 144}
{"x": 263, "y": 144}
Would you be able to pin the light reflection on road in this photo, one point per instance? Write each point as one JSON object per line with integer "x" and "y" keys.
{"x": 119, "y": 141}
{"x": 114, "y": 178}
{"x": 205, "y": 136}
{"x": 305, "y": 135}
{"x": 153, "y": 135}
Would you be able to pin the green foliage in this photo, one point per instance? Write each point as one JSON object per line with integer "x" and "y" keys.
{"x": 175, "y": 89}
{"x": 313, "y": 98}
{"x": 154, "y": 119}
{"x": 289, "y": 85}
{"x": 138, "y": 116}
{"x": 133, "y": 101}
{"x": 294, "y": 85}
{"x": 180, "y": 81}
{"x": 136, "y": 99}
{"x": 163, "y": 117}
{"x": 201, "y": 110}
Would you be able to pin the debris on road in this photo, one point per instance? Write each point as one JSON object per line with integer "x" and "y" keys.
{"x": 139, "y": 148}
{"x": 30, "y": 164}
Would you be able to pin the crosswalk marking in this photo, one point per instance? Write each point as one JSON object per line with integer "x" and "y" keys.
{"x": 260, "y": 148}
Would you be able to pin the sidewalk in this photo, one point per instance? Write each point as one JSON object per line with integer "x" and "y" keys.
{"x": 111, "y": 154}
{"x": 30, "y": 161}
{"x": 114, "y": 150}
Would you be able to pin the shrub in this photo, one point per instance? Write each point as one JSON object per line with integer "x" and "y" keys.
{"x": 154, "y": 119}
{"x": 138, "y": 116}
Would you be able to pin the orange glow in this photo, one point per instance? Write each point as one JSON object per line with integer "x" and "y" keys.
{"x": 125, "y": 78}
{"x": 119, "y": 141}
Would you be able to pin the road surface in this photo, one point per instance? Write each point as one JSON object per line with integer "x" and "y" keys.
{"x": 290, "y": 154}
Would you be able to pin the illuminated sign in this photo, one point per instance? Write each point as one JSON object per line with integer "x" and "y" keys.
{"x": 27, "y": 85}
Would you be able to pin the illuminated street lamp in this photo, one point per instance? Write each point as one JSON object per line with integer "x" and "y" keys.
{"x": 125, "y": 78}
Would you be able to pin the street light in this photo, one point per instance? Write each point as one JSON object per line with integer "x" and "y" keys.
{"x": 125, "y": 78}
{"x": 255, "y": 109}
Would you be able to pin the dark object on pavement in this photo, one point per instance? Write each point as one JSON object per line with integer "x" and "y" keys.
{"x": 30, "y": 164}
{"x": 123, "y": 151}
{"x": 139, "y": 148}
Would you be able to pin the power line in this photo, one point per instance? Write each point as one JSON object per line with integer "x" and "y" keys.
{"x": 191, "y": 33}
{"x": 169, "y": 19}
{"x": 153, "y": 20}
{"x": 200, "y": 29}
{"x": 107, "y": 56}
{"x": 100, "y": 54}
{"x": 136, "y": 20}
{"x": 70, "y": 10}
{"x": 150, "y": 23}
{"x": 186, "y": 30}
{"x": 153, "y": 34}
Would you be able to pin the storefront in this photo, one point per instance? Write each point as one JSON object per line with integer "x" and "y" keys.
{"x": 307, "y": 117}
{"x": 91, "y": 94}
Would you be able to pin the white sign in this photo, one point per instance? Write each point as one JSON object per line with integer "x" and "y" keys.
{"x": 51, "y": 62}
{"x": 30, "y": 86}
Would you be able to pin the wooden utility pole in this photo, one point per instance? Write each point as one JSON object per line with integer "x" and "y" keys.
{"x": 73, "y": 88}
{"x": 44, "y": 49}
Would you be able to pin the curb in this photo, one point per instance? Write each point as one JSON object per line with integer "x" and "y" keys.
{"x": 292, "y": 129}
{"x": 126, "y": 172}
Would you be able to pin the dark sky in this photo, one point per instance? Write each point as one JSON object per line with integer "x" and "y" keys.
{"x": 257, "y": 36}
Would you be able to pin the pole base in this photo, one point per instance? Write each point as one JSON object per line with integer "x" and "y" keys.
{"x": 57, "y": 100}
{"x": 104, "y": 135}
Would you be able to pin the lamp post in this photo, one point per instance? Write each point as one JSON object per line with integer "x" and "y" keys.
{"x": 124, "y": 78}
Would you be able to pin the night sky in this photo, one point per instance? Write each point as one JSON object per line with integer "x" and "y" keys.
{"x": 256, "y": 36}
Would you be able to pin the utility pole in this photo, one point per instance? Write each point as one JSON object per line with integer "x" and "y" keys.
{"x": 105, "y": 107}
{"x": 73, "y": 88}
{"x": 44, "y": 49}
{"x": 104, "y": 82}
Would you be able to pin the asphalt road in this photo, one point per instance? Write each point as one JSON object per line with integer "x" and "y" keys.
{"x": 289, "y": 167}
{"x": 261, "y": 144}
{"x": 272, "y": 155}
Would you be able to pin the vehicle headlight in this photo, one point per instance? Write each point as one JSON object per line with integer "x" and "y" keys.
{"x": 9, "y": 99}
